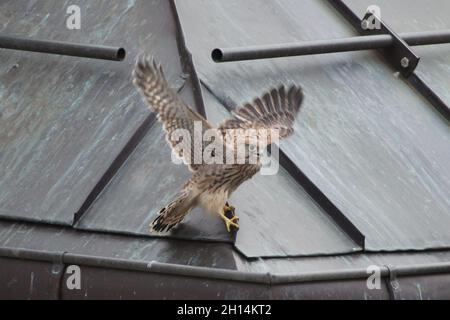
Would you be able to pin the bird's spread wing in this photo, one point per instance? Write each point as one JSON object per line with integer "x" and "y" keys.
{"x": 171, "y": 110}
{"x": 275, "y": 110}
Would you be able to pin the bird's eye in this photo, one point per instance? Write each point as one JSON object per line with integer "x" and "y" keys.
{"x": 252, "y": 147}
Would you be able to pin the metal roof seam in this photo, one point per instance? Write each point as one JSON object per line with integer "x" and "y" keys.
{"x": 348, "y": 227}
{"x": 115, "y": 166}
{"x": 425, "y": 90}
{"x": 187, "y": 62}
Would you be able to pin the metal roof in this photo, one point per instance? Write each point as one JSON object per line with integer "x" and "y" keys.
{"x": 375, "y": 148}
{"x": 57, "y": 140}
{"x": 84, "y": 167}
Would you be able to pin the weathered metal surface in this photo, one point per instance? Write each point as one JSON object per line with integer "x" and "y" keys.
{"x": 28, "y": 280}
{"x": 373, "y": 145}
{"x": 364, "y": 137}
{"x": 63, "y": 120}
{"x": 421, "y": 16}
{"x": 414, "y": 80}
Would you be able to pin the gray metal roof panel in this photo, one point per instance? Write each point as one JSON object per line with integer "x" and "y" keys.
{"x": 370, "y": 142}
{"x": 63, "y": 120}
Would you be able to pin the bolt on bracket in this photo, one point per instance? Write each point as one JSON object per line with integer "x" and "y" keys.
{"x": 399, "y": 54}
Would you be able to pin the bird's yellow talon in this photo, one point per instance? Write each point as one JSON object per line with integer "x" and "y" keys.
{"x": 229, "y": 221}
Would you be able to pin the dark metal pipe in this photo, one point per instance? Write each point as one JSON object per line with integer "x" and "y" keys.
{"x": 426, "y": 37}
{"x": 63, "y": 48}
{"x": 327, "y": 46}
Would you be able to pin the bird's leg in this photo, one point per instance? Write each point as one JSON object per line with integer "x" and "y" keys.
{"x": 232, "y": 221}
{"x": 228, "y": 208}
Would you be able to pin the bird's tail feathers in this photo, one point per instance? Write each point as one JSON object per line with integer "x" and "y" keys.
{"x": 172, "y": 214}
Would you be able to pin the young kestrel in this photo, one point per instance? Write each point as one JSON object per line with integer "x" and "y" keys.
{"x": 211, "y": 184}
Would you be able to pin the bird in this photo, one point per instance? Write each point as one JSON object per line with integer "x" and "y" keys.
{"x": 211, "y": 184}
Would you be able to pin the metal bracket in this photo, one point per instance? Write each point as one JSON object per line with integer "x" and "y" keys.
{"x": 399, "y": 54}
{"x": 58, "y": 269}
{"x": 392, "y": 283}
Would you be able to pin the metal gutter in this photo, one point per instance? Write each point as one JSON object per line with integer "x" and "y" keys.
{"x": 220, "y": 274}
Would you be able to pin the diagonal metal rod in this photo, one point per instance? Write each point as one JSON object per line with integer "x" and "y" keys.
{"x": 63, "y": 48}
{"x": 327, "y": 46}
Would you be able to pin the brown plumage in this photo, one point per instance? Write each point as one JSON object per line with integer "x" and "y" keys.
{"x": 212, "y": 183}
